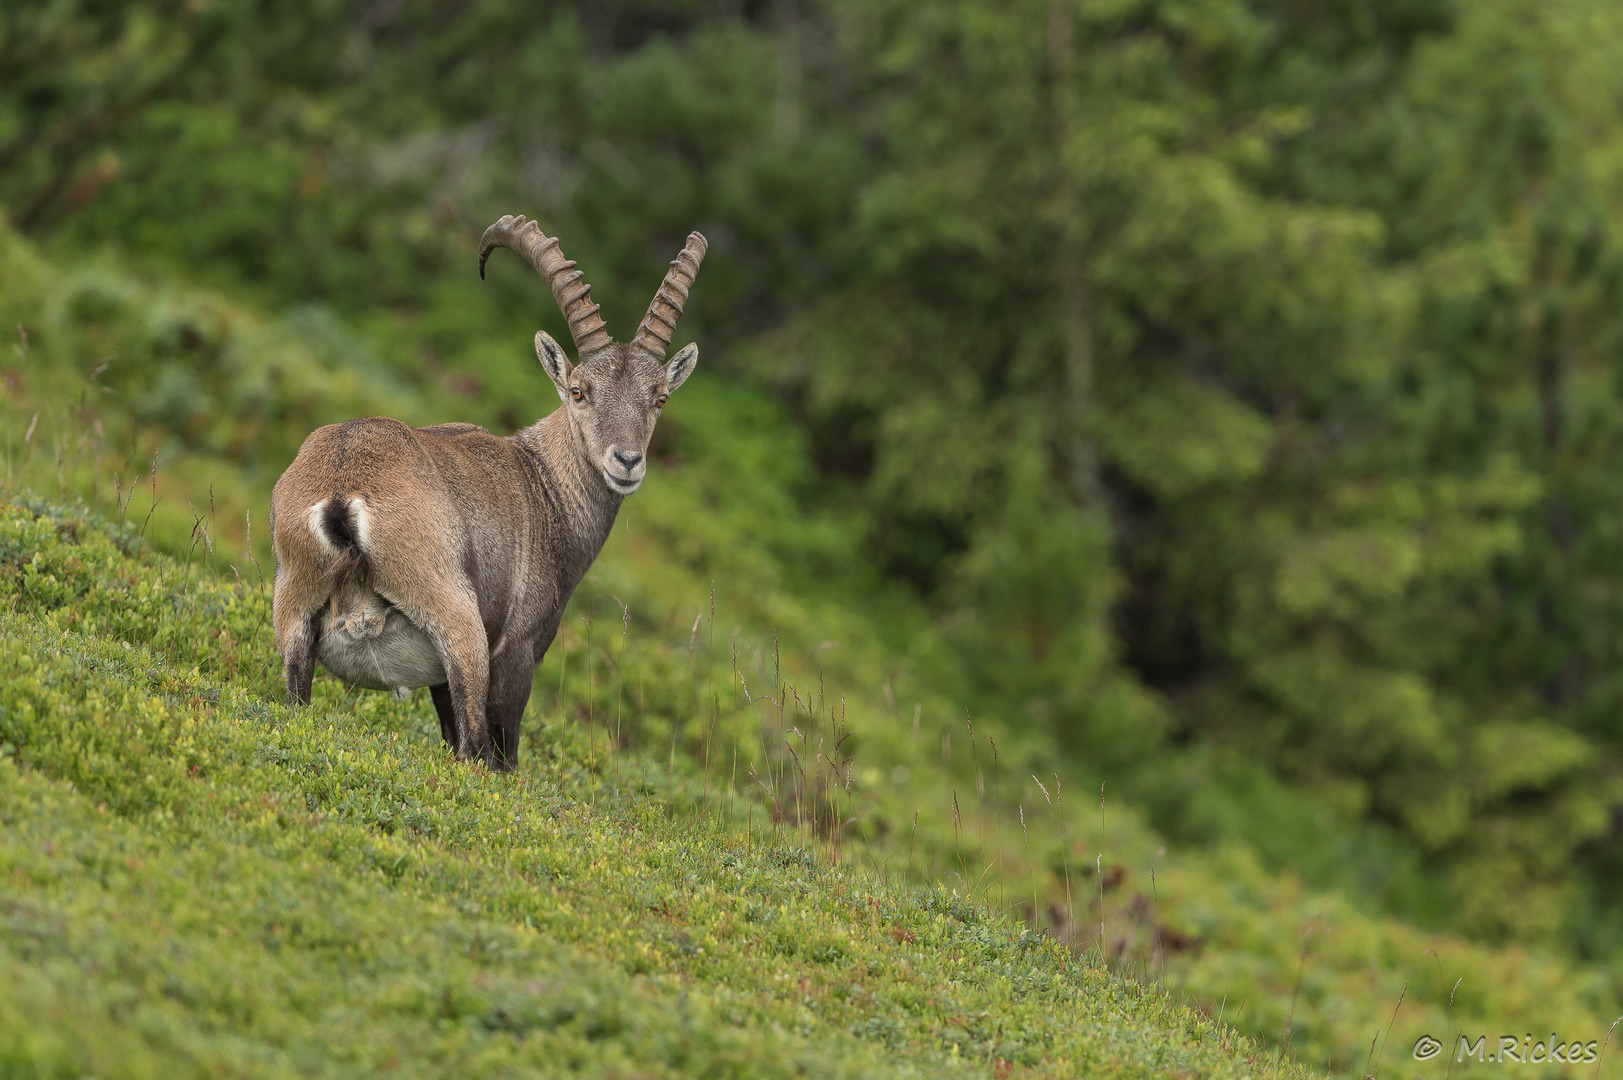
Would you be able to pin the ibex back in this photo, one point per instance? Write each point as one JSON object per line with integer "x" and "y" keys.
{"x": 444, "y": 556}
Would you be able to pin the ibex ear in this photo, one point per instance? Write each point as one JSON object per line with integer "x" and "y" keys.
{"x": 681, "y": 366}
{"x": 553, "y": 362}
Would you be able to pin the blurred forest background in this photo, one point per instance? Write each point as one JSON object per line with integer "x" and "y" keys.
{"x": 1226, "y": 393}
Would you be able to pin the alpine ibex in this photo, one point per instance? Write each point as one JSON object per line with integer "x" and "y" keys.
{"x": 443, "y": 556}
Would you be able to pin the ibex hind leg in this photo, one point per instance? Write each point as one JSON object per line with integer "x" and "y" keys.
{"x": 416, "y": 563}
{"x": 301, "y": 591}
{"x": 467, "y": 692}
{"x": 442, "y": 705}
{"x": 452, "y": 624}
{"x": 298, "y": 604}
{"x": 299, "y": 665}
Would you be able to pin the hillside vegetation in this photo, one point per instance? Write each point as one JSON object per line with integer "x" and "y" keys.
{"x": 1231, "y": 387}
{"x": 1141, "y": 536}
{"x": 206, "y": 881}
{"x": 199, "y": 882}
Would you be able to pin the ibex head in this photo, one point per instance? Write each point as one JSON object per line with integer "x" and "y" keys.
{"x": 614, "y": 395}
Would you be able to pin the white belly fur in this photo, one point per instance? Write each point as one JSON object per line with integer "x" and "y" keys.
{"x": 399, "y": 658}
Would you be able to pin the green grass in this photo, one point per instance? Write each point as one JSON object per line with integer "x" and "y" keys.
{"x": 642, "y": 729}
{"x": 195, "y": 880}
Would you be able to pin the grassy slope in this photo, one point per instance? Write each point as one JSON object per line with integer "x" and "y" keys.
{"x": 1268, "y": 954}
{"x": 200, "y": 882}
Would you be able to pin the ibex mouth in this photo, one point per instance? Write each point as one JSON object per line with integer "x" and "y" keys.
{"x": 619, "y": 485}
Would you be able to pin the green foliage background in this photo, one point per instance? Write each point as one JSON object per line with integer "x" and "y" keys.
{"x": 1222, "y": 392}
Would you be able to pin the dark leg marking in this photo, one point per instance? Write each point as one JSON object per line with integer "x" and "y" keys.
{"x": 510, "y": 684}
{"x": 299, "y": 666}
{"x": 442, "y": 705}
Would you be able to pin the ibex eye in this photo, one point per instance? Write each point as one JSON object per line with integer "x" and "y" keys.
{"x": 574, "y": 392}
{"x": 660, "y": 401}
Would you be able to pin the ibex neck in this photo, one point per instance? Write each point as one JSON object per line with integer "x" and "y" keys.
{"x": 584, "y": 505}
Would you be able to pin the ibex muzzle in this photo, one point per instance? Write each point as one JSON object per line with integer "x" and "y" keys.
{"x": 444, "y": 556}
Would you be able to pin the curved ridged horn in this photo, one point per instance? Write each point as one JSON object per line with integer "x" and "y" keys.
{"x": 654, "y": 335}
{"x": 541, "y": 251}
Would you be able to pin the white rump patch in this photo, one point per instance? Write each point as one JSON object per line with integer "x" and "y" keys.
{"x": 363, "y": 521}
{"x": 312, "y": 517}
{"x": 360, "y": 520}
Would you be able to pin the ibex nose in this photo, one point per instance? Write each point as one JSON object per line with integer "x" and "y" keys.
{"x": 629, "y": 461}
